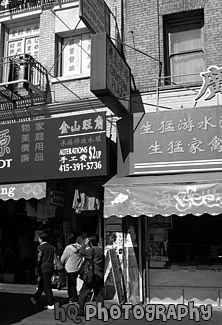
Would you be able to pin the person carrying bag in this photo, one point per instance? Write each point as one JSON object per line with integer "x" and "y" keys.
{"x": 94, "y": 262}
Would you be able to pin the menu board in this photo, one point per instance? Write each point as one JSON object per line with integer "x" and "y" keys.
{"x": 113, "y": 276}
{"x": 72, "y": 146}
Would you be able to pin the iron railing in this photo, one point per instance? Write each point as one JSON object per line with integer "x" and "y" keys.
{"x": 23, "y": 67}
{"x": 23, "y": 5}
{"x": 22, "y": 78}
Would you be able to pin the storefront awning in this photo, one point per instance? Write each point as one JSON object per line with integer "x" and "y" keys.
{"x": 23, "y": 191}
{"x": 165, "y": 195}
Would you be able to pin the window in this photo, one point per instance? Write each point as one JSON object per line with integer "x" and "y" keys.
{"x": 184, "y": 49}
{"x": 186, "y": 241}
{"x": 24, "y": 40}
{"x": 20, "y": 40}
{"x": 75, "y": 55}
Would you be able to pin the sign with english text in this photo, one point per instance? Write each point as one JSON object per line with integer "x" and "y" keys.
{"x": 23, "y": 191}
{"x": 110, "y": 75}
{"x": 187, "y": 140}
{"x": 64, "y": 147}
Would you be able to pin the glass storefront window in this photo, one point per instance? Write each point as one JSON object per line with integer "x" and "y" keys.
{"x": 190, "y": 241}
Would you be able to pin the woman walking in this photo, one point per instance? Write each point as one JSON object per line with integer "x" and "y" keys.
{"x": 72, "y": 262}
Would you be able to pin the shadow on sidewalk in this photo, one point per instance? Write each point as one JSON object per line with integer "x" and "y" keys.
{"x": 14, "y": 307}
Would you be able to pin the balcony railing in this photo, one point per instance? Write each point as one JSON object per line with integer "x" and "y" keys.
{"x": 24, "y": 81}
{"x": 23, "y": 5}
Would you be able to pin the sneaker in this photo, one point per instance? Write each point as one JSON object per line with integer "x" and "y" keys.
{"x": 50, "y": 307}
{"x": 33, "y": 301}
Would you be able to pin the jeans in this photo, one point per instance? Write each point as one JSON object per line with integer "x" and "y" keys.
{"x": 45, "y": 285}
{"x": 97, "y": 285}
{"x": 72, "y": 283}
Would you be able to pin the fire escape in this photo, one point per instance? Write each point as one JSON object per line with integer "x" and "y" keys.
{"x": 24, "y": 84}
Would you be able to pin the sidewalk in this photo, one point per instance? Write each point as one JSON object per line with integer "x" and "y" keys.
{"x": 15, "y": 308}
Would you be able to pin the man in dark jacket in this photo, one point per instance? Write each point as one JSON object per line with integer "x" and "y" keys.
{"x": 91, "y": 250}
{"x": 45, "y": 267}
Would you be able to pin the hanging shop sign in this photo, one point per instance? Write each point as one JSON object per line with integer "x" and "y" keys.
{"x": 96, "y": 15}
{"x": 110, "y": 75}
{"x": 57, "y": 198}
{"x": 64, "y": 147}
{"x": 23, "y": 191}
{"x": 168, "y": 142}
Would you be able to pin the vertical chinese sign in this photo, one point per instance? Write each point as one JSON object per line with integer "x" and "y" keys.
{"x": 110, "y": 75}
{"x": 96, "y": 15}
{"x": 73, "y": 146}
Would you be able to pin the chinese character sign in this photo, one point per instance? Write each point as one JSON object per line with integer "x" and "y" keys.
{"x": 95, "y": 14}
{"x": 53, "y": 148}
{"x": 212, "y": 83}
{"x": 188, "y": 140}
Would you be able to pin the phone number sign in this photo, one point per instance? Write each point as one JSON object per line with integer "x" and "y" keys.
{"x": 65, "y": 147}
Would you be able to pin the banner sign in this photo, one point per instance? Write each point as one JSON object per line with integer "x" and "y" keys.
{"x": 65, "y": 147}
{"x": 177, "y": 141}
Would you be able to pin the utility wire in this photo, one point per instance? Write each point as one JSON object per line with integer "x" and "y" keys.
{"x": 137, "y": 50}
{"x": 136, "y": 102}
{"x": 64, "y": 46}
{"x": 123, "y": 43}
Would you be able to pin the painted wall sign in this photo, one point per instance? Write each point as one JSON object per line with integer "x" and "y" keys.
{"x": 73, "y": 146}
{"x": 96, "y": 15}
{"x": 177, "y": 141}
{"x": 110, "y": 75}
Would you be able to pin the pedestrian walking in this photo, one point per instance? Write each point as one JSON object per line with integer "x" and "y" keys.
{"x": 81, "y": 238}
{"x": 72, "y": 261}
{"x": 91, "y": 250}
{"x": 45, "y": 268}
